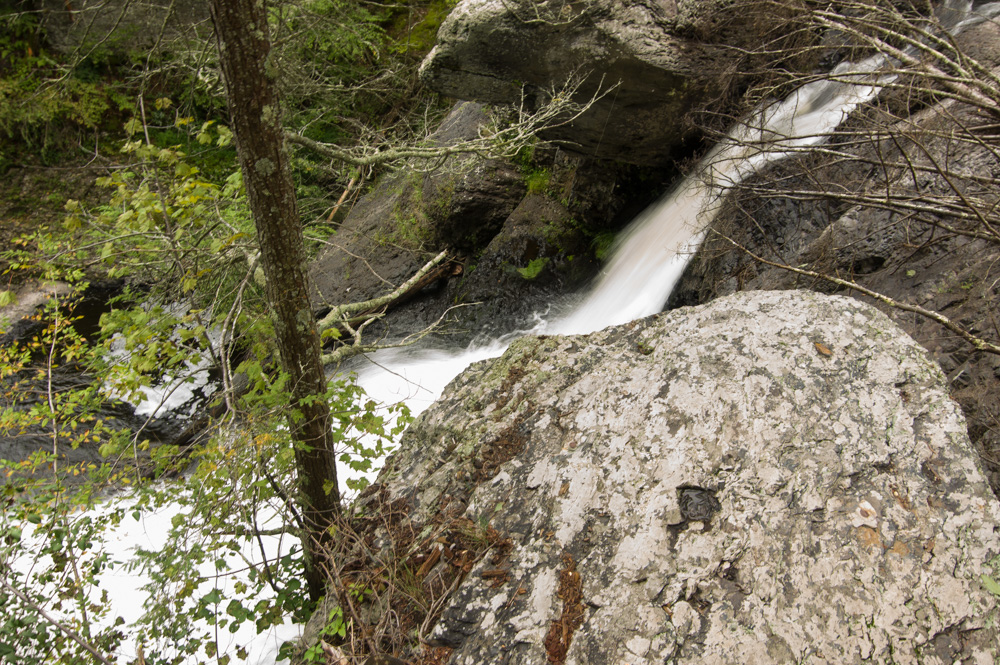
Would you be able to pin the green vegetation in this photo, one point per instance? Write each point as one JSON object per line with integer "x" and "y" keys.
{"x": 232, "y": 481}
{"x": 534, "y": 268}
{"x": 602, "y": 244}
{"x": 42, "y": 103}
{"x": 537, "y": 180}
{"x": 173, "y": 224}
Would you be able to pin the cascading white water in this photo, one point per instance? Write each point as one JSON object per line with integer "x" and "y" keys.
{"x": 652, "y": 253}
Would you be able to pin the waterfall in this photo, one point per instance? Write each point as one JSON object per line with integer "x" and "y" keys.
{"x": 652, "y": 253}
{"x": 650, "y": 257}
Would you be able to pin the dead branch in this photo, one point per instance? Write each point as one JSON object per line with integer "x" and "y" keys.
{"x": 339, "y": 315}
{"x": 501, "y": 140}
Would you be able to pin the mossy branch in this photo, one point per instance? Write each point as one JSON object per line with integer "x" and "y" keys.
{"x": 341, "y": 314}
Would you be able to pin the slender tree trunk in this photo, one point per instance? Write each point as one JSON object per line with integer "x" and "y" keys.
{"x": 254, "y": 107}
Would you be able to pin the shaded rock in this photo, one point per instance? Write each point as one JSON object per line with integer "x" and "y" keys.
{"x": 774, "y": 477}
{"x": 517, "y": 249}
{"x": 412, "y": 215}
{"x": 121, "y": 28}
{"x": 657, "y": 61}
{"x": 539, "y": 254}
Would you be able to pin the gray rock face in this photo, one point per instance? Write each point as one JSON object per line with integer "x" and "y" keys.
{"x": 775, "y": 477}
{"x": 657, "y": 61}
{"x": 122, "y": 27}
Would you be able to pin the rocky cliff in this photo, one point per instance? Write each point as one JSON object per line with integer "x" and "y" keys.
{"x": 650, "y": 64}
{"x": 775, "y": 477}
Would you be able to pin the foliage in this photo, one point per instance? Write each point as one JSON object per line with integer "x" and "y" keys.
{"x": 51, "y": 552}
{"x": 176, "y": 230}
{"x": 41, "y": 98}
{"x": 534, "y": 268}
{"x": 238, "y": 493}
{"x": 165, "y": 224}
{"x": 235, "y": 513}
{"x": 603, "y": 243}
{"x": 176, "y": 237}
{"x": 420, "y": 35}
{"x": 349, "y": 77}
{"x": 537, "y": 180}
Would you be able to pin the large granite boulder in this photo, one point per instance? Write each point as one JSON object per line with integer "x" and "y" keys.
{"x": 775, "y": 477}
{"x": 655, "y": 63}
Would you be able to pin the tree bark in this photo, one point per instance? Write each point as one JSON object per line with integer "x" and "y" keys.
{"x": 254, "y": 107}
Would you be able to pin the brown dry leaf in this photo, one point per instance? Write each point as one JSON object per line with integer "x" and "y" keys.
{"x": 823, "y": 349}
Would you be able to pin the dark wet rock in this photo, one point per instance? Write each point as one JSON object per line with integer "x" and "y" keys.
{"x": 778, "y": 477}
{"x": 540, "y": 253}
{"x": 410, "y": 216}
{"x": 515, "y": 250}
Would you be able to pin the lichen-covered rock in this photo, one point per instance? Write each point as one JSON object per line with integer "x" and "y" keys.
{"x": 657, "y": 61}
{"x": 775, "y": 477}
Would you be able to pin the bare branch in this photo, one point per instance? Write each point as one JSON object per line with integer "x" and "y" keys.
{"x": 502, "y": 141}
{"x": 340, "y": 314}
{"x": 977, "y": 342}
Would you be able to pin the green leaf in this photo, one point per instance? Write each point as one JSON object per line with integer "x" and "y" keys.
{"x": 991, "y": 585}
{"x": 133, "y": 126}
{"x": 7, "y": 298}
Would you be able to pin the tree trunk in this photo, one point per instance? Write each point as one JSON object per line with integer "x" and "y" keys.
{"x": 254, "y": 106}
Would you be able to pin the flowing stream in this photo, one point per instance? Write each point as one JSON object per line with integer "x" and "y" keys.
{"x": 647, "y": 261}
